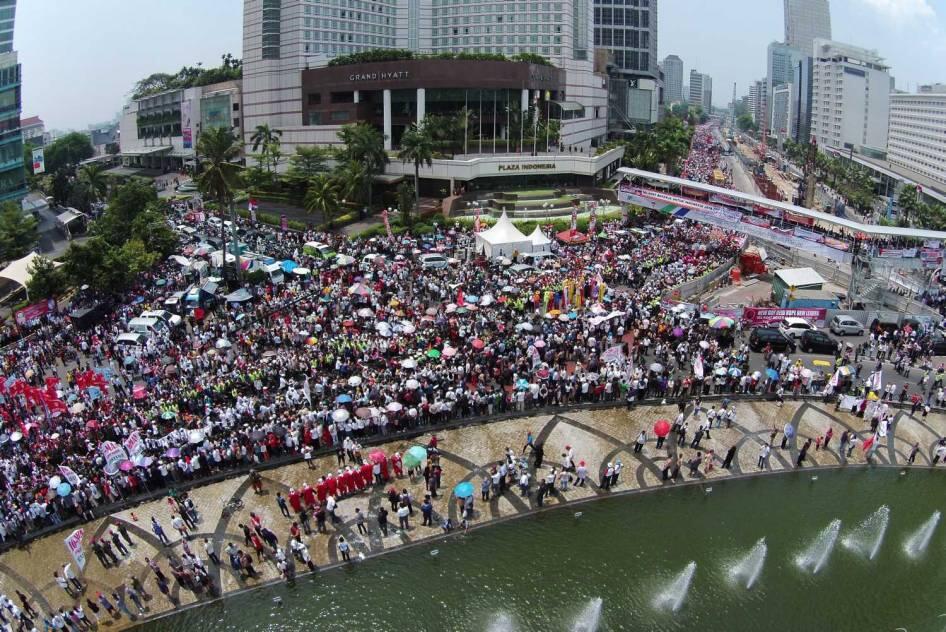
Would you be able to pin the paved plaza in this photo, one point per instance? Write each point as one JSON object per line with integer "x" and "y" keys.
{"x": 597, "y": 437}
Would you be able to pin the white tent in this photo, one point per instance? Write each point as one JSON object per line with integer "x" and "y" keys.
{"x": 502, "y": 240}
{"x": 540, "y": 243}
{"x": 19, "y": 270}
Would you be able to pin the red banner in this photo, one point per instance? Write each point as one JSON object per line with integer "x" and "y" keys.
{"x": 799, "y": 219}
{"x": 35, "y": 311}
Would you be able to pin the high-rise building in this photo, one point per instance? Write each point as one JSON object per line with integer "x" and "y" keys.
{"x": 781, "y": 65}
{"x": 673, "y": 79}
{"x": 287, "y": 45}
{"x": 758, "y": 102}
{"x": 850, "y": 96}
{"x": 629, "y": 33}
{"x": 917, "y": 135}
{"x": 805, "y": 21}
{"x": 701, "y": 91}
{"x": 707, "y": 94}
{"x": 781, "y": 123}
{"x": 12, "y": 174}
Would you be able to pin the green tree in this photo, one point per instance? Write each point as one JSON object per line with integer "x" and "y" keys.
{"x": 671, "y": 142}
{"x": 121, "y": 265}
{"x": 68, "y": 151}
{"x": 218, "y": 149}
{"x": 94, "y": 181}
{"x": 405, "y": 200}
{"x": 364, "y": 144}
{"x": 152, "y": 229}
{"x": 18, "y": 233}
{"x": 46, "y": 280}
{"x": 266, "y": 138}
{"x": 322, "y": 197}
{"x": 416, "y": 147}
{"x": 308, "y": 161}
{"x": 745, "y": 123}
{"x": 350, "y": 177}
{"x": 127, "y": 202}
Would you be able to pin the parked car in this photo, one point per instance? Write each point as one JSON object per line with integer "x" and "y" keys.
{"x": 814, "y": 341}
{"x": 846, "y": 325}
{"x": 317, "y": 249}
{"x": 762, "y": 336}
{"x": 433, "y": 261}
{"x": 131, "y": 339}
{"x": 794, "y": 327}
{"x": 169, "y": 319}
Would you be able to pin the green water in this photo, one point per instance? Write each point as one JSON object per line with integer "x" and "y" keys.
{"x": 542, "y": 572}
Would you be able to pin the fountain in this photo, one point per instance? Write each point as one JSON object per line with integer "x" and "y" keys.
{"x": 916, "y": 544}
{"x": 502, "y": 623}
{"x": 671, "y": 598}
{"x": 750, "y": 567}
{"x": 816, "y": 555}
{"x": 587, "y": 619}
{"x": 867, "y": 537}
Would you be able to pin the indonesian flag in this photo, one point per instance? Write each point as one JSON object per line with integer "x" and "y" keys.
{"x": 252, "y": 205}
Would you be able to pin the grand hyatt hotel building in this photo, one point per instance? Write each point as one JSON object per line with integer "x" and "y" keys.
{"x": 288, "y": 84}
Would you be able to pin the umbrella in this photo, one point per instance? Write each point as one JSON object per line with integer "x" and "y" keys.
{"x": 872, "y": 396}
{"x": 377, "y": 456}
{"x": 448, "y": 351}
{"x": 365, "y": 312}
{"x": 720, "y": 371}
{"x": 704, "y": 344}
{"x": 340, "y": 415}
{"x": 16, "y": 436}
{"x": 64, "y": 489}
{"x": 394, "y": 407}
{"x": 477, "y": 343}
{"x": 223, "y": 343}
{"x": 772, "y": 374}
{"x": 433, "y": 353}
{"x": 54, "y": 482}
{"x": 360, "y": 289}
{"x": 75, "y": 408}
{"x": 168, "y": 415}
{"x": 173, "y": 453}
{"x": 563, "y": 318}
{"x": 344, "y": 398}
{"x": 126, "y": 466}
{"x": 431, "y": 311}
{"x": 138, "y": 391}
{"x": 414, "y": 456}
{"x": 656, "y": 367}
{"x": 463, "y": 490}
{"x": 721, "y": 322}
{"x": 302, "y": 271}
{"x": 789, "y": 430}
{"x": 289, "y": 265}
{"x": 662, "y": 428}
{"x": 412, "y": 384}
{"x": 539, "y": 344}
{"x": 354, "y": 380}
{"x": 363, "y": 412}
{"x": 806, "y": 373}
{"x": 409, "y": 363}
{"x": 524, "y": 326}
{"x": 348, "y": 323}
{"x": 678, "y": 332}
{"x": 407, "y": 328}
{"x": 196, "y": 436}
{"x": 735, "y": 371}
{"x": 344, "y": 260}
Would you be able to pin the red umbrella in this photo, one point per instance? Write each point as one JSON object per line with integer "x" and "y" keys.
{"x": 662, "y": 428}
{"x": 478, "y": 344}
{"x": 377, "y": 456}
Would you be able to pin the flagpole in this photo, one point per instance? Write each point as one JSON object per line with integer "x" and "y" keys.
{"x": 494, "y": 122}
{"x": 481, "y": 123}
{"x": 548, "y": 123}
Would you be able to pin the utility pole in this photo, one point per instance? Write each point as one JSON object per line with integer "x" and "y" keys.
{"x": 732, "y": 125}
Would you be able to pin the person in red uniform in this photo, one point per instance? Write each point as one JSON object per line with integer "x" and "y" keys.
{"x": 397, "y": 465}
{"x": 295, "y": 500}
{"x": 321, "y": 490}
{"x": 331, "y": 484}
{"x": 345, "y": 483}
{"x": 308, "y": 495}
{"x": 367, "y": 478}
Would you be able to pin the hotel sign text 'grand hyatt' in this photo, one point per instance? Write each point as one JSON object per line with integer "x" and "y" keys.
{"x": 389, "y": 75}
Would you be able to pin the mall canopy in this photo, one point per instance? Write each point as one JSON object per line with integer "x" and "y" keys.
{"x": 540, "y": 243}
{"x": 503, "y": 239}
{"x": 19, "y": 270}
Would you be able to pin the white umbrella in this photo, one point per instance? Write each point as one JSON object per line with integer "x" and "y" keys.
{"x": 486, "y": 300}
{"x": 506, "y": 262}
{"x": 384, "y": 329}
{"x": 54, "y": 482}
{"x": 344, "y": 260}
{"x": 407, "y": 328}
{"x": 223, "y": 343}
{"x": 412, "y": 384}
{"x": 195, "y": 436}
{"x": 394, "y": 407}
{"x": 302, "y": 271}
{"x": 524, "y": 326}
{"x": 78, "y": 407}
{"x": 365, "y": 312}
{"x": 409, "y": 363}
{"x": 354, "y": 380}
{"x": 451, "y": 307}
{"x": 704, "y": 344}
{"x": 340, "y": 415}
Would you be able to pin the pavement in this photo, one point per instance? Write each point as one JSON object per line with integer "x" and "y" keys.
{"x": 597, "y": 436}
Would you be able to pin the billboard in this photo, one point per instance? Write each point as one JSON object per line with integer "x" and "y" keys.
{"x": 39, "y": 161}
{"x": 215, "y": 112}
{"x": 187, "y": 123}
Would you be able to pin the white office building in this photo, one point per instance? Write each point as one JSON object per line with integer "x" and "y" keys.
{"x": 850, "y": 103}
{"x": 673, "y": 79}
{"x": 781, "y": 123}
{"x": 701, "y": 90}
{"x": 628, "y": 33}
{"x": 917, "y": 137}
{"x": 806, "y": 21}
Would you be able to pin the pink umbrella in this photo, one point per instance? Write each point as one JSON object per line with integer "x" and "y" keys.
{"x": 139, "y": 392}
{"x": 538, "y": 344}
{"x": 478, "y": 344}
{"x": 662, "y": 428}
{"x": 126, "y": 466}
{"x": 449, "y": 352}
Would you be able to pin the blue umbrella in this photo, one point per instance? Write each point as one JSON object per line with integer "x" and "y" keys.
{"x": 463, "y": 490}
{"x": 471, "y": 298}
{"x": 789, "y": 430}
{"x": 343, "y": 399}
{"x": 289, "y": 265}
{"x": 64, "y": 489}
{"x": 772, "y": 374}
{"x": 572, "y": 315}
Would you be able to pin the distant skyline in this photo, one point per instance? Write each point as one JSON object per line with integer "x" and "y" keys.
{"x": 72, "y": 82}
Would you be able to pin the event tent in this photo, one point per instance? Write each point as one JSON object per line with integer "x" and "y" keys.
{"x": 502, "y": 240}
{"x": 540, "y": 243}
{"x": 19, "y": 271}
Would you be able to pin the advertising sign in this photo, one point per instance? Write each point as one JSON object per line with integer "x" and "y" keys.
{"x": 35, "y": 311}
{"x": 113, "y": 454}
{"x": 74, "y": 546}
{"x": 133, "y": 445}
{"x": 186, "y": 124}
{"x": 39, "y": 161}
{"x": 769, "y": 315}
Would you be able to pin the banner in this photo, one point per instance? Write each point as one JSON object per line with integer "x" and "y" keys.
{"x": 74, "y": 546}
{"x": 897, "y": 253}
{"x": 387, "y": 223}
{"x": 133, "y": 445}
{"x": 70, "y": 475}
{"x": 810, "y": 235}
{"x": 613, "y": 354}
{"x": 251, "y": 206}
{"x": 574, "y": 226}
{"x": 186, "y": 124}
{"x": 698, "y": 367}
{"x": 34, "y": 312}
{"x": 804, "y": 220}
{"x": 39, "y": 161}
{"x": 283, "y": 223}
{"x": 113, "y": 455}
{"x": 769, "y": 315}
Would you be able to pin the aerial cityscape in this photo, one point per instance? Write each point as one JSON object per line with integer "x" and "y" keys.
{"x": 547, "y": 315}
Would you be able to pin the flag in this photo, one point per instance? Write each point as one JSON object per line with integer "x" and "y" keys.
{"x": 833, "y": 382}
{"x": 70, "y": 475}
{"x": 874, "y": 382}
{"x": 387, "y": 223}
{"x": 698, "y": 366}
{"x": 574, "y": 227}
{"x": 252, "y": 205}
{"x": 307, "y": 391}
{"x": 613, "y": 354}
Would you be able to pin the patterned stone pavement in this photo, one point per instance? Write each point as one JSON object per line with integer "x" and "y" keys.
{"x": 598, "y": 437}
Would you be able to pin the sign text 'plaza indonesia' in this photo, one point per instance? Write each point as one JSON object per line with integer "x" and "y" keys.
{"x": 527, "y": 167}
{"x": 391, "y": 75}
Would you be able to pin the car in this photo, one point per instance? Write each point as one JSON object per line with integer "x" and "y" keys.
{"x": 169, "y": 319}
{"x": 846, "y": 325}
{"x": 131, "y": 339}
{"x": 771, "y": 336}
{"x": 794, "y": 327}
{"x": 216, "y": 222}
{"x": 814, "y": 341}
{"x": 317, "y": 249}
{"x": 149, "y": 326}
{"x": 431, "y": 261}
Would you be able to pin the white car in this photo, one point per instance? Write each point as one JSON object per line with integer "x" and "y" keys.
{"x": 169, "y": 319}
{"x": 432, "y": 261}
{"x": 844, "y": 325}
{"x": 794, "y": 327}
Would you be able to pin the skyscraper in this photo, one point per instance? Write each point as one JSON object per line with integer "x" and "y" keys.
{"x": 806, "y": 20}
{"x": 673, "y": 79}
{"x": 630, "y": 34}
{"x": 701, "y": 91}
{"x": 12, "y": 175}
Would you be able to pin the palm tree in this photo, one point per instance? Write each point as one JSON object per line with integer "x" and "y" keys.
{"x": 322, "y": 197}
{"x": 364, "y": 144}
{"x": 217, "y": 149}
{"x": 93, "y": 179}
{"x": 350, "y": 178}
{"x": 417, "y": 147}
{"x": 265, "y": 137}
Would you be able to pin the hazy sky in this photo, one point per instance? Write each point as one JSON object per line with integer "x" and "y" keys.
{"x": 81, "y": 57}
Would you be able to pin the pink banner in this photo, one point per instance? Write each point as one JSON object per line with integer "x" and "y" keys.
{"x": 769, "y": 315}
{"x": 35, "y": 311}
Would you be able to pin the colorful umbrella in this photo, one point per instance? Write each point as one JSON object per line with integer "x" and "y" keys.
{"x": 126, "y": 466}
{"x": 377, "y": 456}
{"x": 344, "y": 398}
{"x": 678, "y": 332}
{"x": 463, "y": 490}
{"x": 772, "y": 374}
{"x": 721, "y": 322}
{"x": 662, "y": 428}
{"x": 477, "y": 343}
{"x": 414, "y": 456}
{"x": 64, "y": 489}
{"x": 433, "y": 353}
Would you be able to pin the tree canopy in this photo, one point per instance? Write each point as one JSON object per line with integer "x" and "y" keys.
{"x": 17, "y": 232}
{"x": 68, "y": 150}
{"x": 229, "y": 69}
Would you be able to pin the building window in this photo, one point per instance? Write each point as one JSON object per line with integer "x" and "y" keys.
{"x": 340, "y": 116}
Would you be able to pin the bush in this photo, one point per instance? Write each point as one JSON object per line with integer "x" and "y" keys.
{"x": 377, "y": 55}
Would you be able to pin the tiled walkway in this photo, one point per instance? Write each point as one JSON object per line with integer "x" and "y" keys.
{"x": 597, "y": 437}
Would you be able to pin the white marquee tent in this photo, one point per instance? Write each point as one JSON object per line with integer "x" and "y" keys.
{"x": 540, "y": 243}
{"x": 502, "y": 240}
{"x": 19, "y": 271}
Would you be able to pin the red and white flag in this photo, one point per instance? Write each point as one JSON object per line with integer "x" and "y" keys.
{"x": 387, "y": 222}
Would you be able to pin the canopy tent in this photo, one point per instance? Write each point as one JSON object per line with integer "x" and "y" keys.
{"x": 19, "y": 271}
{"x": 502, "y": 240}
{"x": 570, "y": 238}
{"x": 540, "y": 243}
